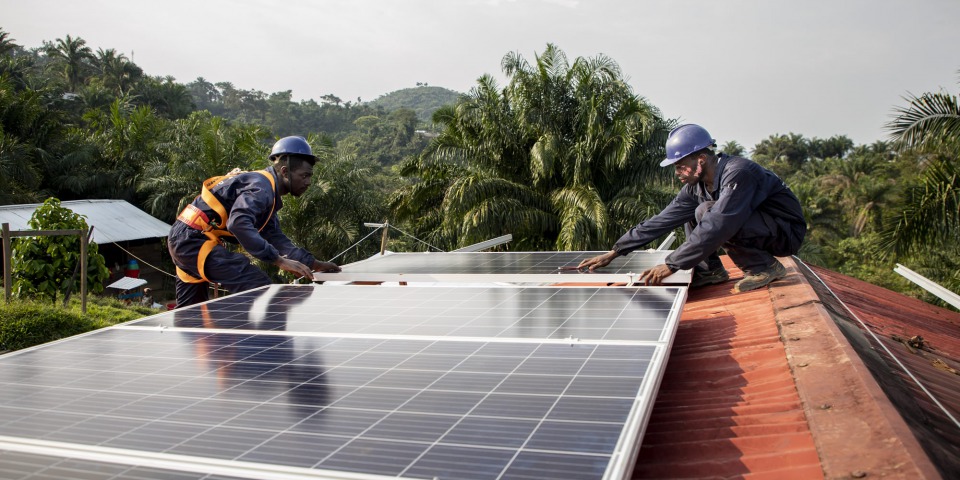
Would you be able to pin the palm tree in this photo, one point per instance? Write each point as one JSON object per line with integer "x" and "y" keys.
{"x": 6, "y": 43}
{"x": 198, "y": 147}
{"x": 30, "y": 136}
{"x": 73, "y": 55}
{"x": 930, "y": 124}
{"x": 733, "y": 148}
{"x": 929, "y": 224}
{"x": 552, "y": 158}
{"x": 168, "y": 98}
{"x": 118, "y": 72}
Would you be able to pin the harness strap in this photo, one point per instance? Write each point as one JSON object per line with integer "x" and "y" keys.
{"x": 196, "y": 219}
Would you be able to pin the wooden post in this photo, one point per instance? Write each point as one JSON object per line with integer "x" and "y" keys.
{"x": 83, "y": 270}
{"x": 7, "y": 267}
{"x": 383, "y": 239}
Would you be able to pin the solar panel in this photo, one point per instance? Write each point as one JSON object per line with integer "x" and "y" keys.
{"x": 586, "y": 313}
{"x": 526, "y": 267}
{"x": 305, "y": 382}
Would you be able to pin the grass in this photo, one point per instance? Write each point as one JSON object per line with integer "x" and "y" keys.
{"x": 25, "y": 323}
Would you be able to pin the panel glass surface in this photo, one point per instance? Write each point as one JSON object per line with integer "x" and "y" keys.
{"x": 502, "y": 263}
{"x": 585, "y": 313}
{"x": 408, "y": 407}
{"x": 501, "y": 266}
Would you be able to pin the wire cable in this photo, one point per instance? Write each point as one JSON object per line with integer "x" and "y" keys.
{"x": 417, "y": 239}
{"x": 883, "y": 345}
{"x": 140, "y": 260}
{"x": 355, "y": 244}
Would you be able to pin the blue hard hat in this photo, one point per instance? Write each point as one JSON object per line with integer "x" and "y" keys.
{"x": 684, "y": 140}
{"x": 292, "y": 146}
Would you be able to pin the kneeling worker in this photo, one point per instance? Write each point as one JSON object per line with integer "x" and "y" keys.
{"x": 725, "y": 201}
{"x": 242, "y": 208}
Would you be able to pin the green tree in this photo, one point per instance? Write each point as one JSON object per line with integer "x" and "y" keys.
{"x": 784, "y": 154}
{"x": 199, "y": 147}
{"x": 73, "y": 57}
{"x": 107, "y": 157}
{"x": 930, "y": 124}
{"x": 206, "y": 96}
{"x": 164, "y": 95}
{"x": 733, "y": 148}
{"x": 118, "y": 73}
{"x": 43, "y": 266}
{"x": 6, "y": 43}
{"x": 554, "y": 158}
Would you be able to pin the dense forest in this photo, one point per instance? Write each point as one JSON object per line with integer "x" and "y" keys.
{"x": 563, "y": 156}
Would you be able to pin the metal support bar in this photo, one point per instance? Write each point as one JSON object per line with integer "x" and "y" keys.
{"x": 667, "y": 242}
{"x": 929, "y": 285}
{"x": 493, "y": 242}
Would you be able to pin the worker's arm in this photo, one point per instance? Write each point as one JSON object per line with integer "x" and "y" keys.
{"x": 681, "y": 210}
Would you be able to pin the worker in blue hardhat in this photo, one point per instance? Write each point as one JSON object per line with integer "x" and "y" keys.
{"x": 241, "y": 207}
{"x": 725, "y": 201}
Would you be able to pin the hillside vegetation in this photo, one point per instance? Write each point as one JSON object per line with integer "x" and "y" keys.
{"x": 423, "y": 100}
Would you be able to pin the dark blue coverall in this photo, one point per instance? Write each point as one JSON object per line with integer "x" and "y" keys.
{"x": 251, "y": 202}
{"x": 753, "y": 215}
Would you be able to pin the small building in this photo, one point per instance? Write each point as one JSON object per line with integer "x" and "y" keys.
{"x": 123, "y": 233}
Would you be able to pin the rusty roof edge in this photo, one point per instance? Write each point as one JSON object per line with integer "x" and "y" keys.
{"x": 856, "y": 428}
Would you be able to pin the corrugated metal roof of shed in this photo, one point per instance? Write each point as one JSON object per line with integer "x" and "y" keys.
{"x": 113, "y": 220}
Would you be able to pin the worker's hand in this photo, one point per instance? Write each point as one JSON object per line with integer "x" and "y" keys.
{"x": 294, "y": 267}
{"x": 599, "y": 261}
{"x": 326, "y": 267}
{"x": 655, "y": 275}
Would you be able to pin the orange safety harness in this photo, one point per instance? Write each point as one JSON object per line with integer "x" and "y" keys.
{"x": 196, "y": 219}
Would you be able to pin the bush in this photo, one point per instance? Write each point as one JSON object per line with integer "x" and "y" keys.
{"x": 43, "y": 267}
{"x": 25, "y": 323}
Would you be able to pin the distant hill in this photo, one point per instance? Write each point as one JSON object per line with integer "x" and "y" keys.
{"x": 422, "y": 100}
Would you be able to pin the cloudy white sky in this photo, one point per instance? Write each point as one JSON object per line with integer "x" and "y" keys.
{"x": 744, "y": 69}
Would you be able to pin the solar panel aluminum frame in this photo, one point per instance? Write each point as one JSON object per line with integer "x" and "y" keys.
{"x": 179, "y": 463}
{"x": 681, "y": 277}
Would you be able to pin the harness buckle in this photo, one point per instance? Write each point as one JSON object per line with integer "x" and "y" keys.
{"x": 194, "y": 218}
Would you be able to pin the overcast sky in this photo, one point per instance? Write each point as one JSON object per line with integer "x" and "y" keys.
{"x": 744, "y": 69}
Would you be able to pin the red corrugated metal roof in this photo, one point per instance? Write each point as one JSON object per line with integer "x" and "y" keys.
{"x": 912, "y": 350}
{"x": 762, "y": 384}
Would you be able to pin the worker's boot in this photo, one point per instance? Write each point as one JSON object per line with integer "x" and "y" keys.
{"x": 708, "y": 277}
{"x": 753, "y": 281}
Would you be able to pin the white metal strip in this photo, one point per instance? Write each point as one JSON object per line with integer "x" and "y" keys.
{"x": 378, "y": 336}
{"x": 625, "y": 453}
{"x": 183, "y": 463}
{"x": 493, "y": 242}
{"x": 681, "y": 277}
{"x": 929, "y": 285}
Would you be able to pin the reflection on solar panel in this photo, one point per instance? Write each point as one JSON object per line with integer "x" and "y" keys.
{"x": 540, "y": 267}
{"x": 310, "y": 382}
{"x": 586, "y": 313}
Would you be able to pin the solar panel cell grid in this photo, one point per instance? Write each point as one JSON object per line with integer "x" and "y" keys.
{"x": 481, "y": 382}
{"x": 346, "y": 398}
